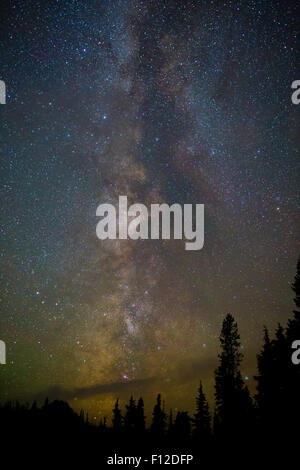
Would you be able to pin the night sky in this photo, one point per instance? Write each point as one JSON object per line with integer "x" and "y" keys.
{"x": 162, "y": 101}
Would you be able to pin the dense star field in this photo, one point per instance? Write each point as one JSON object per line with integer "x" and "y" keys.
{"x": 161, "y": 101}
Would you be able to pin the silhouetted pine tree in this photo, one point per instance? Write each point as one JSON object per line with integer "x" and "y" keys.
{"x": 216, "y": 425}
{"x": 266, "y": 384}
{"x": 182, "y": 427}
{"x": 46, "y": 403}
{"x": 282, "y": 360}
{"x": 81, "y": 415}
{"x": 170, "y": 425}
{"x": 293, "y": 334}
{"x": 140, "y": 417}
{"x": 202, "y": 418}
{"x": 102, "y": 424}
{"x": 130, "y": 415}
{"x": 117, "y": 419}
{"x": 282, "y": 364}
{"x": 158, "y": 425}
{"x": 293, "y": 328}
{"x": 233, "y": 402}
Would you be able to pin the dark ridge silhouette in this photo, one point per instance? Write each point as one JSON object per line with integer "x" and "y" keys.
{"x": 263, "y": 429}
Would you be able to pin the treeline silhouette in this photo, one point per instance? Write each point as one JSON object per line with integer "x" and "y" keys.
{"x": 240, "y": 424}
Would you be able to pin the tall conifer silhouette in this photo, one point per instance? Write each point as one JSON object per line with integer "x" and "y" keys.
{"x": 182, "y": 427}
{"x": 117, "y": 417}
{"x": 158, "y": 419}
{"x": 293, "y": 328}
{"x": 233, "y": 400}
{"x": 293, "y": 378}
{"x": 265, "y": 380}
{"x": 202, "y": 418}
{"x": 140, "y": 417}
{"x": 130, "y": 415}
{"x": 171, "y": 424}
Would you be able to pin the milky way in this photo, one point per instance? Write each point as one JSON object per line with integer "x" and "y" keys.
{"x": 161, "y": 101}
